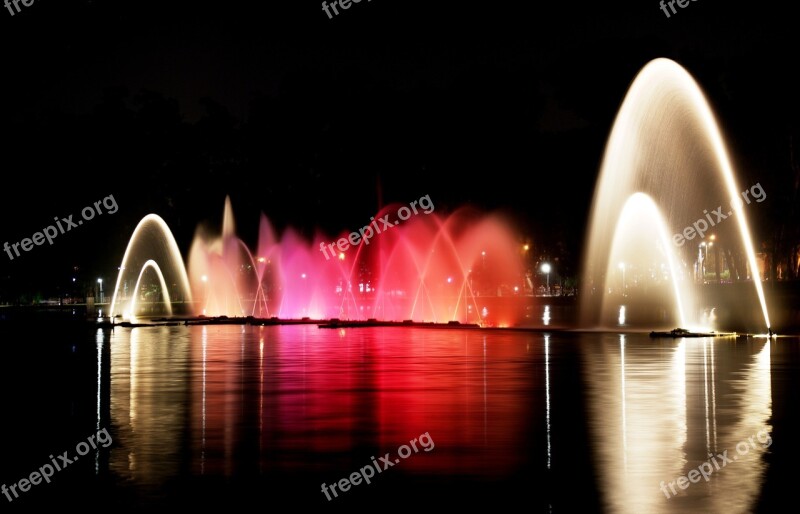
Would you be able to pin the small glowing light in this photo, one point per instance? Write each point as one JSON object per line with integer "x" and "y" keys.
{"x": 526, "y": 248}
{"x": 621, "y": 315}
{"x": 99, "y": 280}
{"x": 303, "y": 275}
{"x": 622, "y": 266}
{"x": 516, "y": 288}
{"x": 483, "y": 253}
{"x": 546, "y": 268}
{"x": 204, "y": 278}
{"x": 262, "y": 259}
{"x": 341, "y": 256}
{"x": 449, "y": 280}
{"x": 73, "y": 279}
{"x": 546, "y": 315}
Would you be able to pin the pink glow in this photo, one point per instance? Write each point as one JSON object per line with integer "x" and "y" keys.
{"x": 429, "y": 268}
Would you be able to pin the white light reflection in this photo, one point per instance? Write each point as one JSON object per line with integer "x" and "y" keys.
{"x": 100, "y": 339}
{"x": 713, "y": 397}
{"x": 204, "y": 338}
{"x": 622, "y": 388}
{"x": 547, "y": 393}
{"x": 705, "y": 393}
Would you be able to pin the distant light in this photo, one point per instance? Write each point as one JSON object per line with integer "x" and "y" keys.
{"x": 516, "y": 289}
{"x": 546, "y": 268}
{"x": 341, "y": 256}
{"x": 303, "y": 275}
{"x": 449, "y": 280}
{"x": 73, "y": 279}
{"x": 622, "y": 266}
{"x": 262, "y": 259}
{"x": 204, "y": 278}
{"x": 483, "y": 253}
{"x": 621, "y": 318}
{"x": 526, "y": 248}
{"x": 99, "y": 280}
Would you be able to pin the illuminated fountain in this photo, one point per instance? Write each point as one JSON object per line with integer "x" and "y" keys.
{"x": 152, "y": 251}
{"x": 428, "y": 268}
{"x": 665, "y": 167}
{"x": 464, "y": 267}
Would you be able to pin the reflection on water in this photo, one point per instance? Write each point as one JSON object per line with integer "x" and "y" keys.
{"x": 232, "y": 401}
{"x": 150, "y": 384}
{"x": 223, "y": 400}
{"x": 661, "y": 408}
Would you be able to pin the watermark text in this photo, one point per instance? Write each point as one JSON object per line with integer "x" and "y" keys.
{"x": 46, "y": 472}
{"x": 719, "y": 461}
{"x": 378, "y": 466}
{"x": 713, "y": 218}
{"x": 50, "y": 232}
{"x": 371, "y": 230}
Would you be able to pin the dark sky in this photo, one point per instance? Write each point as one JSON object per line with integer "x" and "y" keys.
{"x": 170, "y": 106}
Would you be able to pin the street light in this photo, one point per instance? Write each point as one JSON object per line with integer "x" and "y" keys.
{"x": 546, "y": 269}
{"x": 100, "y": 281}
{"x": 622, "y": 267}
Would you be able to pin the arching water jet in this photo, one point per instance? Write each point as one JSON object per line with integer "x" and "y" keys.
{"x": 665, "y": 143}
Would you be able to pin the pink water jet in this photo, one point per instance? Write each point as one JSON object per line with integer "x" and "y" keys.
{"x": 431, "y": 268}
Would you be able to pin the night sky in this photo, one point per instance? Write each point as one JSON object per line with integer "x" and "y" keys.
{"x": 318, "y": 122}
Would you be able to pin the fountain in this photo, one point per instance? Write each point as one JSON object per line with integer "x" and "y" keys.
{"x": 665, "y": 165}
{"x": 151, "y": 248}
{"x": 465, "y": 267}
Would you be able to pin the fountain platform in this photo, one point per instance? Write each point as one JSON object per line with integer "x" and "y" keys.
{"x": 682, "y": 332}
{"x": 335, "y": 323}
{"x": 251, "y": 320}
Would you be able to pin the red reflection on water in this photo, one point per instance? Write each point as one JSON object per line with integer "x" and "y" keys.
{"x": 301, "y": 398}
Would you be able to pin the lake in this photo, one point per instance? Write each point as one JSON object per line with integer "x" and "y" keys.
{"x": 355, "y": 418}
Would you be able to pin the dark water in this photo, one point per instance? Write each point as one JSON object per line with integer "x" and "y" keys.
{"x": 223, "y": 416}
